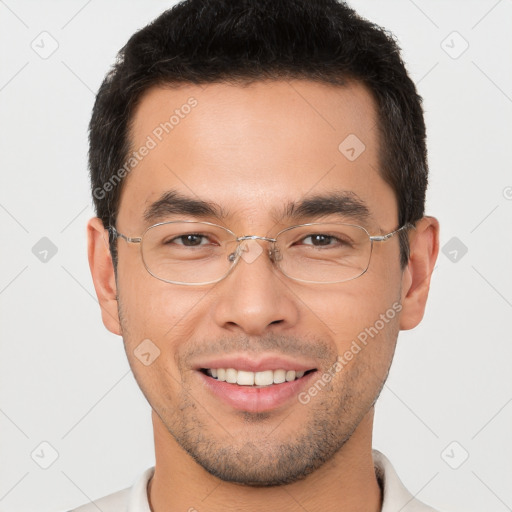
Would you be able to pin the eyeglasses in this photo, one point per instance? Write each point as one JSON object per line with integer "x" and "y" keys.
{"x": 199, "y": 253}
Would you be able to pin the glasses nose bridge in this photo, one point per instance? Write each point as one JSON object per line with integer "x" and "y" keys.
{"x": 272, "y": 252}
{"x": 255, "y": 237}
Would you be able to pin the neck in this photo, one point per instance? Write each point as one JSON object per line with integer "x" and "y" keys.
{"x": 346, "y": 482}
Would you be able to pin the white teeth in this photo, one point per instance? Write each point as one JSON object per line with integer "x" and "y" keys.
{"x": 290, "y": 375}
{"x": 279, "y": 376}
{"x": 244, "y": 378}
{"x": 264, "y": 378}
{"x": 231, "y": 374}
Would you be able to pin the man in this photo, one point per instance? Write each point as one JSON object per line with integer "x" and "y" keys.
{"x": 259, "y": 174}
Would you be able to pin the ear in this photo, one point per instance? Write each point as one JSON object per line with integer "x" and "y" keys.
{"x": 102, "y": 271}
{"x": 424, "y": 248}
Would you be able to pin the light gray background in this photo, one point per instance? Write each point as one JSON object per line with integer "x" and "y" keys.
{"x": 65, "y": 380}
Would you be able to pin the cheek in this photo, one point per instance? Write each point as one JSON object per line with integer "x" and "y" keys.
{"x": 344, "y": 311}
{"x": 158, "y": 318}
{"x": 364, "y": 359}
{"x": 362, "y": 318}
{"x": 152, "y": 308}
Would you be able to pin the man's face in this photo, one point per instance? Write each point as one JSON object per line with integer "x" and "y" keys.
{"x": 251, "y": 151}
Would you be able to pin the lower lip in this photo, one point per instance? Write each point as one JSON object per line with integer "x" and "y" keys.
{"x": 252, "y": 399}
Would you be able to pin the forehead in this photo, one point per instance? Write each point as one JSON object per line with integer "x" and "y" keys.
{"x": 247, "y": 148}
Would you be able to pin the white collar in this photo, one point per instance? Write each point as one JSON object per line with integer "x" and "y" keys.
{"x": 395, "y": 496}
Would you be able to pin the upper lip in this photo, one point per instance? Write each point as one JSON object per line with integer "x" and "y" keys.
{"x": 255, "y": 364}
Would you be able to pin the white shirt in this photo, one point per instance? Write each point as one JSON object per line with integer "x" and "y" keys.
{"x": 396, "y": 498}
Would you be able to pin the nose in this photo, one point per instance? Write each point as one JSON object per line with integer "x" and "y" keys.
{"x": 254, "y": 297}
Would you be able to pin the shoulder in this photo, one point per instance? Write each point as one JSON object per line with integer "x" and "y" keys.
{"x": 116, "y": 501}
{"x": 394, "y": 494}
{"x": 131, "y": 499}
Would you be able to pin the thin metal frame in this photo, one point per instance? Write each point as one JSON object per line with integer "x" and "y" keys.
{"x": 138, "y": 240}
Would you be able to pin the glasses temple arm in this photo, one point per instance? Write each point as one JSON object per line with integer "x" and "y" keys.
{"x": 381, "y": 238}
{"x": 115, "y": 234}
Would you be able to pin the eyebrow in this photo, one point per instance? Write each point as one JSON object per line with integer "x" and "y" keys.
{"x": 341, "y": 203}
{"x": 173, "y": 202}
{"x": 344, "y": 203}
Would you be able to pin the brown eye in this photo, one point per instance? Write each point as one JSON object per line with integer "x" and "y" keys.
{"x": 188, "y": 240}
{"x": 320, "y": 240}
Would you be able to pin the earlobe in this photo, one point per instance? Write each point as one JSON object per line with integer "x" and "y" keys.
{"x": 424, "y": 248}
{"x": 102, "y": 271}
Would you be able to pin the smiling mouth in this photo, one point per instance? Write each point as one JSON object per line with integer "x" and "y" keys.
{"x": 260, "y": 379}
